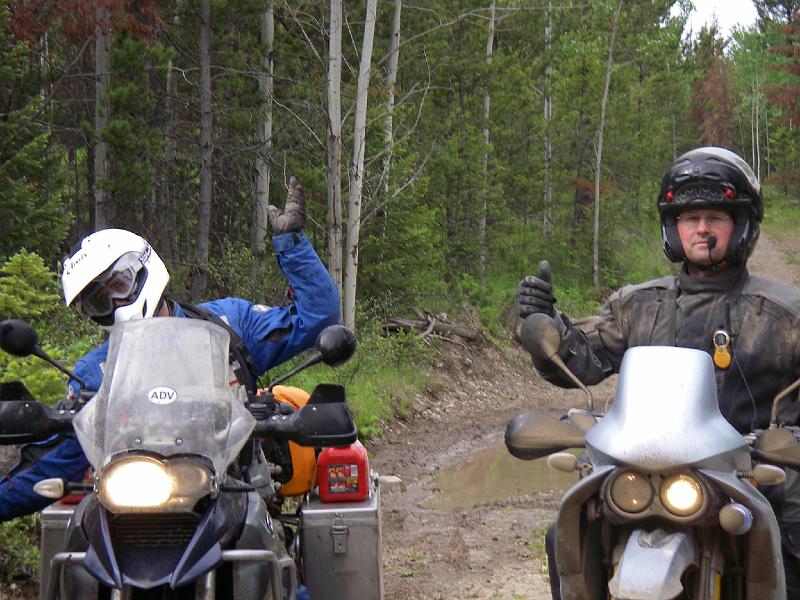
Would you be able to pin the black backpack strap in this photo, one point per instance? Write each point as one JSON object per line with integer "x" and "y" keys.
{"x": 246, "y": 372}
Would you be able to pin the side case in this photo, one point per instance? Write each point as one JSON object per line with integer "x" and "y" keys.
{"x": 341, "y": 546}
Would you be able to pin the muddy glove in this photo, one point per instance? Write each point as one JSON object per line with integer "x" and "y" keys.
{"x": 294, "y": 213}
{"x": 535, "y": 294}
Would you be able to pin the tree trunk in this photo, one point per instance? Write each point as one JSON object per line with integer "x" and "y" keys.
{"x": 357, "y": 169}
{"x": 200, "y": 276}
{"x": 758, "y": 138}
{"x": 265, "y": 85}
{"x": 388, "y": 119}
{"x": 102, "y": 203}
{"x": 168, "y": 200}
{"x": 599, "y": 156}
{"x": 547, "y": 219}
{"x": 485, "y": 162}
{"x": 334, "y": 144}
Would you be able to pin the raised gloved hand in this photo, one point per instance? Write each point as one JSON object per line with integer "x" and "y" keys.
{"x": 294, "y": 212}
{"x": 535, "y": 294}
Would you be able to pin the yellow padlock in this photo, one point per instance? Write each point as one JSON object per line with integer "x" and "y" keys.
{"x": 722, "y": 342}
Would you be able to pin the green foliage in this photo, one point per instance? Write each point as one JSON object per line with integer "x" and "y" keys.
{"x": 19, "y": 550}
{"x": 27, "y": 287}
{"x": 34, "y": 212}
{"x": 28, "y": 291}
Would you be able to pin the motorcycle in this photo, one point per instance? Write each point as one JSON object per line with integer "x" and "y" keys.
{"x": 666, "y": 504}
{"x": 179, "y": 502}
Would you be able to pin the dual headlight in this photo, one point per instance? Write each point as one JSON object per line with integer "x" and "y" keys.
{"x": 681, "y": 494}
{"x": 144, "y": 483}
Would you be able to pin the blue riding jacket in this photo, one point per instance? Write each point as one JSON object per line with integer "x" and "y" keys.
{"x": 272, "y": 335}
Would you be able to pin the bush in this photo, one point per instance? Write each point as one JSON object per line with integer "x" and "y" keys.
{"x": 19, "y": 550}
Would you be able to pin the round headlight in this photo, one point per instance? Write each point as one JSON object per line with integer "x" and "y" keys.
{"x": 631, "y": 491}
{"x": 140, "y": 482}
{"x": 681, "y": 495}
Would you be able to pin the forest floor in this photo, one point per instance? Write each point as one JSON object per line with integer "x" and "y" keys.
{"x": 442, "y": 541}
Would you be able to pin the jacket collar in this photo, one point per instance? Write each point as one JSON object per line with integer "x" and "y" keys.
{"x": 725, "y": 281}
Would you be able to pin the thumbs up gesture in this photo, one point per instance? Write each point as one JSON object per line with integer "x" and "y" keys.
{"x": 535, "y": 294}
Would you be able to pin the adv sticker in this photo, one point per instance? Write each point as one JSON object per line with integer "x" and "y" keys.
{"x": 162, "y": 395}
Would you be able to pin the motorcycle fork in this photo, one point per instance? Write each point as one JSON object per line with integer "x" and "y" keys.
{"x": 712, "y": 565}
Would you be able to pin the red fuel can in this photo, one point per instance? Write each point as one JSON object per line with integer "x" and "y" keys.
{"x": 343, "y": 473}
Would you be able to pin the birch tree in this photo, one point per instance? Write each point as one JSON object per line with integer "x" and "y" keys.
{"x": 357, "y": 168}
{"x": 265, "y": 86}
{"x": 334, "y": 145}
{"x": 200, "y": 278}
{"x": 599, "y": 152}
{"x": 485, "y": 161}
{"x": 547, "y": 217}
{"x": 102, "y": 203}
{"x": 391, "y": 79}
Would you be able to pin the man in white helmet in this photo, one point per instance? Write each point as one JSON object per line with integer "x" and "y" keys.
{"x": 113, "y": 276}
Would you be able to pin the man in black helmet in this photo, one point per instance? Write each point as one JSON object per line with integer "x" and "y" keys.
{"x": 710, "y": 206}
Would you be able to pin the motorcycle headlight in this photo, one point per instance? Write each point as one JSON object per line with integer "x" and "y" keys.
{"x": 144, "y": 483}
{"x": 681, "y": 494}
{"x": 631, "y": 491}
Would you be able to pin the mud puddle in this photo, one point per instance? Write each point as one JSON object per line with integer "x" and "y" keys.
{"x": 491, "y": 475}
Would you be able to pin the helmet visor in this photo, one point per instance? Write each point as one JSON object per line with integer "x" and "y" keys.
{"x": 119, "y": 282}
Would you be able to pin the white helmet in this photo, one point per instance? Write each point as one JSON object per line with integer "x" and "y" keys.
{"x": 114, "y": 276}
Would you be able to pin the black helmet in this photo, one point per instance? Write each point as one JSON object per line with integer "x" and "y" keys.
{"x": 712, "y": 178}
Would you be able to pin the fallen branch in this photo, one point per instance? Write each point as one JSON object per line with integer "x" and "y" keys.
{"x": 429, "y": 325}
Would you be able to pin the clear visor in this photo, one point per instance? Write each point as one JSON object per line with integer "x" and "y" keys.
{"x": 116, "y": 283}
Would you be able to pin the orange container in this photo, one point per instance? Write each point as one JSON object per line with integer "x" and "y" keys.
{"x": 343, "y": 473}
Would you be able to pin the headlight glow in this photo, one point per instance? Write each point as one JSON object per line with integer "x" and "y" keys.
{"x": 631, "y": 491}
{"x": 137, "y": 483}
{"x": 681, "y": 495}
{"x": 144, "y": 483}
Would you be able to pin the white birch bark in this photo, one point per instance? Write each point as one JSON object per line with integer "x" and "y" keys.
{"x": 485, "y": 162}
{"x": 334, "y": 145}
{"x": 391, "y": 79}
{"x": 265, "y": 86}
{"x": 357, "y": 168}
{"x": 102, "y": 108}
{"x": 599, "y": 154}
{"x": 200, "y": 278}
{"x": 547, "y": 218}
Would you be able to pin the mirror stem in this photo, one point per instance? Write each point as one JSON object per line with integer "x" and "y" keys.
{"x": 561, "y": 365}
{"x": 773, "y": 422}
{"x": 44, "y": 356}
{"x": 312, "y": 360}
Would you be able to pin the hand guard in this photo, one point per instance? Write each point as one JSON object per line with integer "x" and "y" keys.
{"x": 294, "y": 212}
{"x": 535, "y": 294}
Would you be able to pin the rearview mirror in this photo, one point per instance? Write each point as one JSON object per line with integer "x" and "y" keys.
{"x": 336, "y": 344}
{"x": 18, "y": 337}
{"x": 532, "y": 435}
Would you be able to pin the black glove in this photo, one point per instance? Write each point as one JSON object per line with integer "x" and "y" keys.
{"x": 294, "y": 212}
{"x": 535, "y": 294}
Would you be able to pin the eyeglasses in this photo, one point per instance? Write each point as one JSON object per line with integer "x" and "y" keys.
{"x": 116, "y": 283}
{"x": 692, "y": 221}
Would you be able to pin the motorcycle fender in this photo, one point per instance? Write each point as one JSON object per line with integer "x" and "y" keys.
{"x": 652, "y": 565}
{"x": 260, "y": 532}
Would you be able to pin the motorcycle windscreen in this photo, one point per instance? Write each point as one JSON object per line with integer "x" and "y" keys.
{"x": 665, "y": 412}
{"x": 167, "y": 388}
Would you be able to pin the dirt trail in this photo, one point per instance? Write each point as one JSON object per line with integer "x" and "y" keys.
{"x": 486, "y": 551}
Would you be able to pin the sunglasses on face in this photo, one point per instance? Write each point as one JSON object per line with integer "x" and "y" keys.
{"x": 119, "y": 282}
